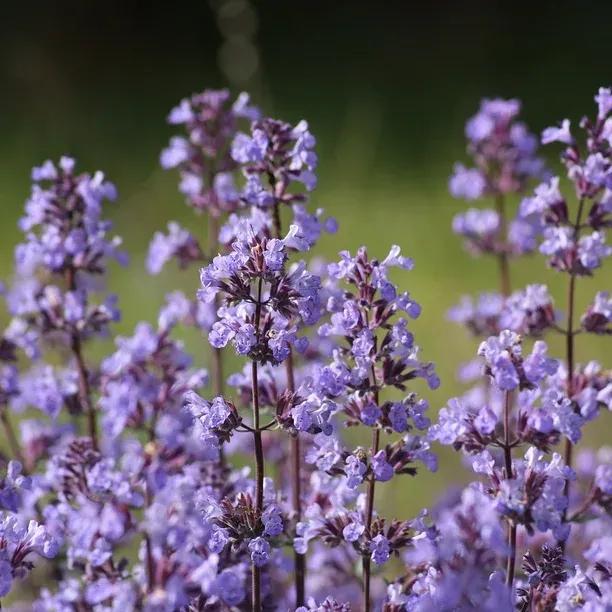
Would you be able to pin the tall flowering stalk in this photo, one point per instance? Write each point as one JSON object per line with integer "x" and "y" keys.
{"x": 378, "y": 352}
{"x": 530, "y": 312}
{"x": 261, "y": 302}
{"x": 505, "y": 161}
{"x": 66, "y": 238}
{"x": 206, "y": 171}
{"x": 277, "y": 158}
{"x": 578, "y": 246}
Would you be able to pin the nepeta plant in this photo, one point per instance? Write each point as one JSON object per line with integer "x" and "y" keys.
{"x": 533, "y": 401}
{"x": 146, "y": 490}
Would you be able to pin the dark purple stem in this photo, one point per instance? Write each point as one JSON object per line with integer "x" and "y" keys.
{"x": 83, "y": 374}
{"x": 296, "y": 458}
{"x": 375, "y": 444}
{"x": 259, "y": 458}
{"x": 502, "y": 256}
{"x": 569, "y": 348}
{"x": 511, "y": 561}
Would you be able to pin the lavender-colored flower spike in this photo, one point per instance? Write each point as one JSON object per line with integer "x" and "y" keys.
{"x": 503, "y": 151}
{"x": 202, "y": 157}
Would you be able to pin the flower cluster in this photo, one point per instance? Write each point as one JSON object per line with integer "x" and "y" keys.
{"x": 503, "y": 150}
{"x": 532, "y": 401}
{"x": 203, "y": 157}
{"x": 264, "y": 301}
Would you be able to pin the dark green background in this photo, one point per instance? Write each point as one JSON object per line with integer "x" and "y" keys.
{"x": 386, "y": 87}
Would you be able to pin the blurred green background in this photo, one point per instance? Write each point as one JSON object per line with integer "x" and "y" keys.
{"x": 386, "y": 87}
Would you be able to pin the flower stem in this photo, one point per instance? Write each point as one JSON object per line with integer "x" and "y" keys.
{"x": 569, "y": 350}
{"x": 502, "y": 257}
{"x": 149, "y": 548}
{"x": 505, "y": 285}
{"x": 259, "y": 459}
{"x": 369, "y": 515}
{"x": 84, "y": 388}
{"x": 511, "y": 561}
{"x": 299, "y": 561}
{"x": 375, "y": 444}
{"x": 217, "y": 354}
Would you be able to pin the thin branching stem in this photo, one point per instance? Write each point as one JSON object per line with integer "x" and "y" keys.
{"x": 259, "y": 457}
{"x": 511, "y": 560}
{"x": 83, "y": 374}
{"x": 296, "y": 457}
{"x": 570, "y": 347}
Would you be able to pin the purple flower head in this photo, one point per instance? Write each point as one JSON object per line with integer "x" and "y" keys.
{"x": 481, "y": 317}
{"x": 359, "y": 317}
{"x": 380, "y": 549}
{"x": 505, "y": 363}
{"x": 382, "y": 469}
{"x": 480, "y": 228}
{"x": 268, "y": 302}
{"x": 202, "y": 157}
{"x": 566, "y": 242}
{"x": 217, "y": 419}
{"x": 560, "y": 134}
{"x": 355, "y": 471}
{"x": 529, "y": 311}
{"x": 278, "y": 162}
{"x": 467, "y": 184}
{"x": 260, "y": 551}
{"x": 503, "y": 152}
{"x": 353, "y": 531}
{"x": 63, "y": 224}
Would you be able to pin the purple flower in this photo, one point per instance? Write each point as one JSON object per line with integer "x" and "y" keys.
{"x": 558, "y": 134}
{"x": 382, "y": 469}
{"x": 503, "y": 151}
{"x": 467, "y": 184}
{"x": 203, "y": 158}
{"x": 355, "y": 471}
{"x": 480, "y": 228}
{"x": 380, "y": 549}
{"x": 604, "y": 102}
{"x": 370, "y": 414}
{"x": 353, "y": 531}
{"x": 260, "y": 551}
{"x": 276, "y": 160}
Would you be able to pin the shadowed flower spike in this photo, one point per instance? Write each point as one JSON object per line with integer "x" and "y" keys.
{"x": 202, "y": 156}
{"x": 257, "y": 286}
{"x": 503, "y": 151}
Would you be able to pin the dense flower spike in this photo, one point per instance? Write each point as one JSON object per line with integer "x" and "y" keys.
{"x": 275, "y": 155}
{"x": 278, "y": 161}
{"x": 203, "y": 157}
{"x": 504, "y": 154}
{"x": 264, "y": 302}
{"x": 502, "y": 149}
{"x": 576, "y": 243}
{"x": 133, "y": 486}
{"x": 376, "y": 351}
{"x": 534, "y": 402}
